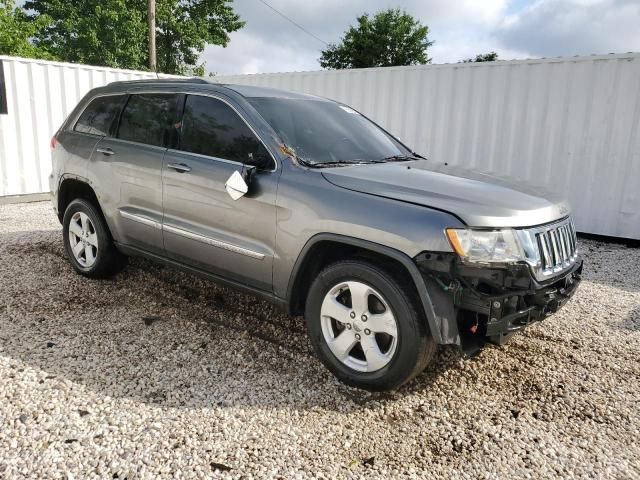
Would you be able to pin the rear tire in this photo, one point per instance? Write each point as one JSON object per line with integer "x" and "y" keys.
{"x": 88, "y": 242}
{"x": 366, "y": 327}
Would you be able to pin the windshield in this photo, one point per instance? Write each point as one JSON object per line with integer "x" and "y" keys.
{"x": 322, "y": 131}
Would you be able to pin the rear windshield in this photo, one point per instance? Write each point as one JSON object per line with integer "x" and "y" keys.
{"x": 324, "y": 131}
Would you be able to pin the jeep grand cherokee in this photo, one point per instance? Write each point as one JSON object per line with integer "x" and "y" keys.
{"x": 307, "y": 203}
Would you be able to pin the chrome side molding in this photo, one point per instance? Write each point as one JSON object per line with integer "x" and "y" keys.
{"x": 141, "y": 219}
{"x": 191, "y": 235}
{"x": 212, "y": 241}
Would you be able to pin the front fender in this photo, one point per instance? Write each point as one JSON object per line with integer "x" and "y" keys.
{"x": 441, "y": 328}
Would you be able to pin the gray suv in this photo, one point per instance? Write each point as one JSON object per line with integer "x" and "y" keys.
{"x": 307, "y": 203}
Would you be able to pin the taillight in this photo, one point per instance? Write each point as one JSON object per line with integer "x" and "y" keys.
{"x": 53, "y": 142}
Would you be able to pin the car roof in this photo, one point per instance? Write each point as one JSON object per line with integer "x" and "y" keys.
{"x": 247, "y": 91}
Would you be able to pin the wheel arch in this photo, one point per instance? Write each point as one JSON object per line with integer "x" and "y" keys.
{"x": 325, "y": 248}
{"x": 72, "y": 187}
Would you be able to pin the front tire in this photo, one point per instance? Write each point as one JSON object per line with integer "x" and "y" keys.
{"x": 366, "y": 327}
{"x": 88, "y": 242}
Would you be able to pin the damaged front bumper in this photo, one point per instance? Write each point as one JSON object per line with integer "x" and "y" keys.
{"x": 475, "y": 304}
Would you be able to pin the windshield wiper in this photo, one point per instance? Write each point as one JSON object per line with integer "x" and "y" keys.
{"x": 334, "y": 163}
{"x": 400, "y": 158}
{"x": 302, "y": 161}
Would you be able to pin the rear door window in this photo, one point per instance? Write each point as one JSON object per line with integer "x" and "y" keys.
{"x": 147, "y": 118}
{"x": 100, "y": 114}
{"x": 211, "y": 127}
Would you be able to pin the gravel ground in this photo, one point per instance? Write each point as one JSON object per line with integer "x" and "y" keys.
{"x": 157, "y": 374}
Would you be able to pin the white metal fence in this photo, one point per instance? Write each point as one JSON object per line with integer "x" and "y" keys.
{"x": 571, "y": 124}
{"x": 39, "y": 96}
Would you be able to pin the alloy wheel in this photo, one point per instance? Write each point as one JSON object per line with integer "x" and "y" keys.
{"x": 83, "y": 239}
{"x": 358, "y": 326}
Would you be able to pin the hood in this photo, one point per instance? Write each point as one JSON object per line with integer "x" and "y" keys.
{"x": 478, "y": 199}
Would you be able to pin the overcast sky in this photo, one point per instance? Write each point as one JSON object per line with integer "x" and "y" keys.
{"x": 460, "y": 29}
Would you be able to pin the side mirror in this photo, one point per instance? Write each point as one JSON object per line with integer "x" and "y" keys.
{"x": 236, "y": 186}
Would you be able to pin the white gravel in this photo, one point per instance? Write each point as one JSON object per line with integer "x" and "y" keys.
{"x": 157, "y": 374}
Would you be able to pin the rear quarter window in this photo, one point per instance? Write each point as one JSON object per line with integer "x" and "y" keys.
{"x": 99, "y": 115}
{"x": 147, "y": 119}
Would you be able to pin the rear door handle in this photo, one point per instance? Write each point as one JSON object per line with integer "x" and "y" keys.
{"x": 179, "y": 167}
{"x": 105, "y": 151}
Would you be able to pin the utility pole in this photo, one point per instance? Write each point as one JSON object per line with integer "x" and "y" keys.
{"x": 151, "y": 16}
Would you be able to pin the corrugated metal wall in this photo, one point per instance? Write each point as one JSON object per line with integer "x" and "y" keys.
{"x": 40, "y": 95}
{"x": 571, "y": 124}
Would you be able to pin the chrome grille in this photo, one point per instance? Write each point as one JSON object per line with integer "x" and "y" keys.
{"x": 557, "y": 244}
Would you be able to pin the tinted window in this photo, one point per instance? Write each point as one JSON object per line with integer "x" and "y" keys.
{"x": 210, "y": 127}
{"x": 147, "y": 119}
{"x": 98, "y": 117}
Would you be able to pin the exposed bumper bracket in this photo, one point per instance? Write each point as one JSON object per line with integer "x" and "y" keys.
{"x": 492, "y": 303}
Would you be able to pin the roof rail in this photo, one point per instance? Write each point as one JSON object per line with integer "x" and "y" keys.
{"x": 161, "y": 80}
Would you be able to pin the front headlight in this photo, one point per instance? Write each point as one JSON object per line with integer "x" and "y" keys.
{"x": 489, "y": 246}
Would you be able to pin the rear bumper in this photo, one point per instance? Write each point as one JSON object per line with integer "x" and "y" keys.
{"x": 491, "y": 304}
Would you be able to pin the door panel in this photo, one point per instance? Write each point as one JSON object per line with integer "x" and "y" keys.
{"x": 205, "y": 228}
{"x": 135, "y": 188}
{"x": 133, "y": 162}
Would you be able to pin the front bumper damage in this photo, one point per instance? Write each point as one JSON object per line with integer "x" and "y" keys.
{"x": 479, "y": 304}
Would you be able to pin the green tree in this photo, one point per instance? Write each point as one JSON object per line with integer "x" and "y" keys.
{"x": 110, "y": 33}
{"x": 114, "y": 32}
{"x": 389, "y": 38}
{"x": 482, "y": 57}
{"x": 184, "y": 28}
{"x": 16, "y": 32}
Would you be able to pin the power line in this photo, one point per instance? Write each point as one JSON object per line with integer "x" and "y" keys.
{"x": 295, "y": 23}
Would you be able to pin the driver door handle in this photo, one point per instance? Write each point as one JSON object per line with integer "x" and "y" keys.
{"x": 179, "y": 167}
{"x": 105, "y": 151}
